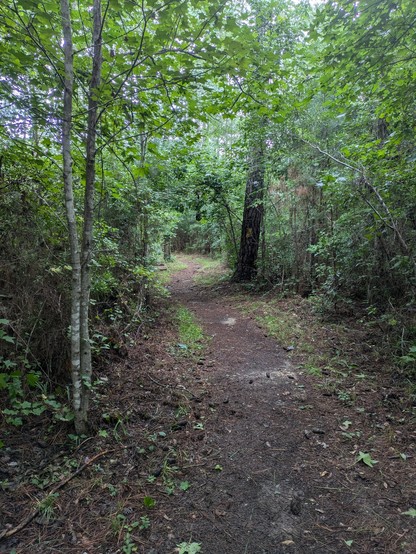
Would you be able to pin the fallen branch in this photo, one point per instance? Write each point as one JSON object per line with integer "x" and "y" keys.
{"x": 6, "y": 534}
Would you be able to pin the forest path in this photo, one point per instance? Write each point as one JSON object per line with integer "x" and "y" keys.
{"x": 258, "y": 501}
{"x": 277, "y": 467}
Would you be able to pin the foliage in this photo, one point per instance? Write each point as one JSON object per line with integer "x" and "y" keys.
{"x": 189, "y": 548}
{"x": 366, "y": 458}
{"x": 411, "y": 512}
{"x": 168, "y": 59}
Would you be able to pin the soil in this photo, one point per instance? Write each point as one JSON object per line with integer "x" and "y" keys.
{"x": 236, "y": 448}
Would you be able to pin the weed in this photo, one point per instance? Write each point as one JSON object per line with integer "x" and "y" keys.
{"x": 408, "y": 361}
{"x": 4, "y": 485}
{"x": 128, "y": 545}
{"x": 77, "y": 439}
{"x": 344, "y": 396}
{"x": 149, "y": 502}
{"x": 189, "y": 548}
{"x": 46, "y": 507}
{"x": 366, "y": 458}
{"x": 116, "y": 523}
{"x": 169, "y": 487}
{"x": 144, "y": 523}
{"x": 120, "y": 525}
{"x": 119, "y": 429}
{"x": 184, "y": 485}
{"x": 181, "y": 411}
{"x": 112, "y": 490}
{"x": 351, "y": 435}
{"x": 312, "y": 370}
{"x": 20, "y": 381}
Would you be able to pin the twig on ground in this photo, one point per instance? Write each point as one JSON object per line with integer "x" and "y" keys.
{"x": 30, "y": 517}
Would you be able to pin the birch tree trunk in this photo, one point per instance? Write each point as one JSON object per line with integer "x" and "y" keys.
{"x": 81, "y": 363}
{"x": 70, "y": 212}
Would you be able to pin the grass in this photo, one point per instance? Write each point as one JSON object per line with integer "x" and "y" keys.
{"x": 291, "y": 323}
{"x": 191, "y": 339}
{"x": 172, "y": 266}
{"x": 208, "y": 263}
{"x": 211, "y": 271}
{"x": 176, "y": 265}
{"x": 282, "y": 325}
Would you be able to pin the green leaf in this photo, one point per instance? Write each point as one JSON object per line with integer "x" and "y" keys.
{"x": 345, "y": 424}
{"x": 4, "y": 378}
{"x": 5, "y": 337}
{"x": 411, "y": 512}
{"x": 184, "y": 485}
{"x": 32, "y": 379}
{"x": 366, "y": 458}
{"x": 182, "y": 346}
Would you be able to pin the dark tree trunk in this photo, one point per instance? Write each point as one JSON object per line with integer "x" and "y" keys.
{"x": 252, "y": 218}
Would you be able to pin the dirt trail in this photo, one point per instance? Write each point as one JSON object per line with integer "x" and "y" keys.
{"x": 284, "y": 480}
{"x": 258, "y": 502}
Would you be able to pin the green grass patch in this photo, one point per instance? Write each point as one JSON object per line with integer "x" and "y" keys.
{"x": 176, "y": 265}
{"x": 191, "y": 339}
{"x": 211, "y": 271}
{"x": 172, "y": 267}
{"x": 284, "y": 326}
{"x": 280, "y": 327}
{"x": 208, "y": 263}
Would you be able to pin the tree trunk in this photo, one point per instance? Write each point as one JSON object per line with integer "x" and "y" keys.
{"x": 252, "y": 217}
{"x": 167, "y": 249}
{"x": 87, "y": 236}
{"x": 70, "y": 211}
{"x": 81, "y": 365}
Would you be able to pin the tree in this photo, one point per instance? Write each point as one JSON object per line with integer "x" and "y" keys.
{"x": 121, "y": 77}
{"x": 253, "y": 212}
{"x": 81, "y": 254}
{"x": 277, "y": 28}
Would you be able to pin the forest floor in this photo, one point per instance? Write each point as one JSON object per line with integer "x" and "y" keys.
{"x": 256, "y": 428}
